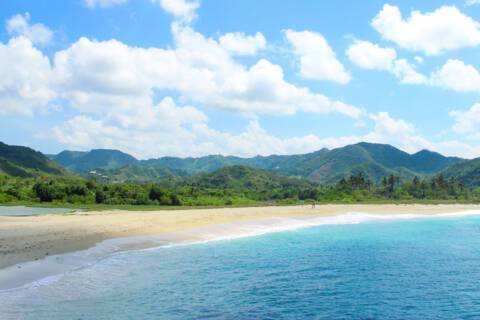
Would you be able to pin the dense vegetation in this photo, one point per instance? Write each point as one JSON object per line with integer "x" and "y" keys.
{"x": 235, "y": 185}
{"x": 358, "y": 173}
{"x": 468, "y": 172}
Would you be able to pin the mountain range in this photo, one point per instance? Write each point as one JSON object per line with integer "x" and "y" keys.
{"x": 324, "y": 166}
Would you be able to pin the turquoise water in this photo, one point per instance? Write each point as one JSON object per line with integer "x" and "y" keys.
{"x": 408, "y": 269}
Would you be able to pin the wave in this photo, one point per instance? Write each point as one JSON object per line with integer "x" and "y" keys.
{"x": 274, "y": 225}
{"x": 51, "y": 268}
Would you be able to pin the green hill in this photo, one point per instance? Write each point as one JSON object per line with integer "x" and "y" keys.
{"x": 376, "y": 161}
{"x": 245, "y": 179}
{"x": 95, "y": 159}
{"x": 25, "y": 162}
{"x": 326, "y": 166}
{"x": 468, "y": 172}
{"x": 134, "y": 173}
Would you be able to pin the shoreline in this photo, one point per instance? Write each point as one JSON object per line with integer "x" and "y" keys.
{"x": 40, "y": 246}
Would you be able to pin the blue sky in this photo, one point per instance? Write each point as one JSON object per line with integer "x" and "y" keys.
{"x": 189, "y": 78}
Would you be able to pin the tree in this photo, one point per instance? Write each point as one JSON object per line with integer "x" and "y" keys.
{"x": 100, "y": 196}
{"x": 156, "y": 193}
{"x": 48, "y": 191}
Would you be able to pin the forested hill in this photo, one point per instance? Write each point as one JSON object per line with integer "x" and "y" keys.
{"x": 245, "y": 179}
{"x": 77, "y": 161}
{"x": 376, "y": 161}
{"x": 467, "y": 172}
{"x": 25, "y": 162}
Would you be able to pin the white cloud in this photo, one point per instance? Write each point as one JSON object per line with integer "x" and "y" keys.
{"x": 404, "y": 71}
{"x": 317, "y": 59}
{"x": 26, "y": 79}
{"x": 19, "y": 25}
{"x": 103, "y": 3}
{"x": 114, "y": 87}
{"x": 467, "y": 122}
{"x": 193, "y": 137}
{"x": 386, "y": 126}
{"x": 434, "y": 32}
{"x": 147, "y": 132}
{"x": 183, "y": 10}
{"x": 404, "y": 135}
{"x": 241, "y": 44}
{"x": 472, "y": 2}
{"x": 457, "y": 76}
{"x": 370, "y": 56}
{"x": 110, "y": 74}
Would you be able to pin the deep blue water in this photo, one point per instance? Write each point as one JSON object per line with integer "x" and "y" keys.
{"x": 413, "y": 269}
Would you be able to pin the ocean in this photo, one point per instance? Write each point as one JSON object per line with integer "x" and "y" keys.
{"x": 405, "y": 268}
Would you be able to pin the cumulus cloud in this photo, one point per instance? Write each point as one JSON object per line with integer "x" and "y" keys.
{"x": 114, "y": 88}
{"x": 179, "y": 133}
{"x": 404, "y": 135}
{"x": 19, "y": 25}
{"x": 454, "y": 75}
{"x": 147, "y": 132}
{"x": 316, "y": 57}
{"x": 445, "y": 28}
{"x": 370, "y": 56}
{"x": 458, "y": 76}
{"x": 183, "y": 10}
{"x": 26, "y": 81}
{"x": 111, "y": 74}
{"x": 91, "y": 75}
{"x": 241, "y": 44}
{"x": 468, "y": 121}
{"x": 407, "y": 74}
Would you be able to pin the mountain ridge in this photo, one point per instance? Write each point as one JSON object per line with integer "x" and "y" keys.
{"x": 25, "y": 162}
{"x": 323, "y": 166}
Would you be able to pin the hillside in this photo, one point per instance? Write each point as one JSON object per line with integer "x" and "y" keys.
{"x": 96, "y": 159}
{"x": 245, "y": 179}
{"x": 376, "y": 161}
{"x": 25, "y": 162}
{"x": 328, "y": 166}
{"x": 134, "y": 173}
{"x": 468, "y": 172}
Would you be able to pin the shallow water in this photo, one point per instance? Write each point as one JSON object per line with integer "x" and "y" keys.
{"x": 399, "y": 269}
{"x": 31, "y": 211}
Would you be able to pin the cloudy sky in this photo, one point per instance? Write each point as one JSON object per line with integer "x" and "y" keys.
{"x": 197, "y": 77}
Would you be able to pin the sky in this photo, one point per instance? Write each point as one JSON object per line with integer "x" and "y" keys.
{"x": 197, "y": 77}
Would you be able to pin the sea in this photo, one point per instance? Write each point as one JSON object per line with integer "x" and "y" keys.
{"x": 356, "y": 266}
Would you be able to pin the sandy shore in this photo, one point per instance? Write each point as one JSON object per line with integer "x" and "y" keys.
{"x": 31, "y": 238}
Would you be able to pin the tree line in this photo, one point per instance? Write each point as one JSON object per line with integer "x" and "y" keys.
{"x": 355, "y": 188}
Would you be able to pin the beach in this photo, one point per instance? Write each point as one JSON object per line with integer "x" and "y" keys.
{"x": 32, "y": 238}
